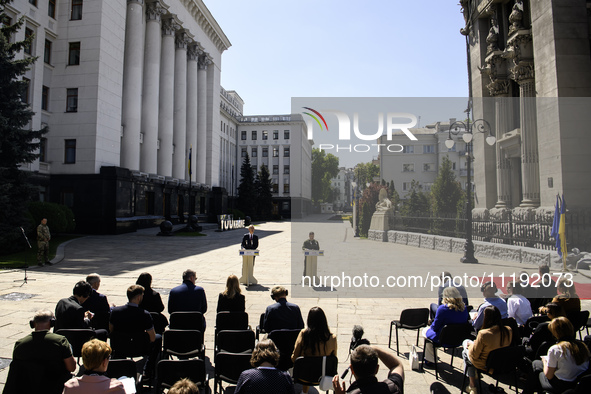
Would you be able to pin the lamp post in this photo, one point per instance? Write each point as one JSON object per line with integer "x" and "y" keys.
{"x": 470, "y": 127}
{"x": 356, "y": 195}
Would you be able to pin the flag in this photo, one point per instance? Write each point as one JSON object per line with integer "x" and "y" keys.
{"x": 190, "y": 170}
{"x": 555, "y": 225}
{"x": 562, "y": 229}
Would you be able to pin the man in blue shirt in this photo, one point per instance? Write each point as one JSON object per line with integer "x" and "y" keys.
{"x": 489, "y": 291}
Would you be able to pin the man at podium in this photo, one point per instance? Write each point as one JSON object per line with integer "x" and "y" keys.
{"x": 310, "y": 262}
{"x": 250, "y": 241}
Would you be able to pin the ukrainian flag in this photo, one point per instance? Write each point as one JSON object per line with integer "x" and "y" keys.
{"x": 556, "y": 225}
{"x": 562, "y": 230}
{"x": 189, "y": 164}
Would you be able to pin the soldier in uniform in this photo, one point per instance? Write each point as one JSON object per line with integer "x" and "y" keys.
{"x": 310, "y": 244}
{"x": 43, "y": 237}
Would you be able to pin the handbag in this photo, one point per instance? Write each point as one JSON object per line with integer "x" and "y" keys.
{"x": 325, "y": 381}
{"x": 413, "y": 359}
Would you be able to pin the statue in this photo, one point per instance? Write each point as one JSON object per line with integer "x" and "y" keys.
{"x": 382, "y": 217}
{"x": 493, "y": 36}
{"x": 516, "y": 17}
{"x": 384, "y": 202}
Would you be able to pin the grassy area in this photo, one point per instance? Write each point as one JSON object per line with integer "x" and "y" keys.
{"x": 29, "y": 256}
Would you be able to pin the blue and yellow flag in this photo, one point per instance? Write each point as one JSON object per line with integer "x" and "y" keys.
{"x": 555, "y": 225}
{"x": 190, "y": 169}
{"x": 562, "y": 229}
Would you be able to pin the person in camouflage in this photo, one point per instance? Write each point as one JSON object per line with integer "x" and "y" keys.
{"x": 43, "y": 237}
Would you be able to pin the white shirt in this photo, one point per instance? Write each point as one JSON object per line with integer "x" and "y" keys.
{"x": 519, "y": 308}
{"x": 564, "y": 362}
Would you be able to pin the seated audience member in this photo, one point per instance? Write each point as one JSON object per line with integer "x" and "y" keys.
{"x": 97, "y": 304}
{"x": 489, "y": 291}
{"x": 188, "y": 297}
{"x": 231, "y": 299}
{"x": 364, "y": 367}
{"x": 69, "y": 312}
{"x": 316, "y": 339}
{"x": 184, "y": 386}
{"x": 152, "y": 302}
{"x": 518, "y": 307}
{"x": 545, "y": 288}
{"x": 134, "y": 322}
{"x": 264, "y": 378}
{"x": 447, "y": 281}
{"x": 541, "y": 333}
{"x": 558, "y": 371}
{"x": 567, "y": 296}
{"x": 41, "y": 361}
{"x": 492, "y": 336}
{"x": 282, "y": 314}
{"x": 95, "y": 356}
{"x": 451, "y": 311}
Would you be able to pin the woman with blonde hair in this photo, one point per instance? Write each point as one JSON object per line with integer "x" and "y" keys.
{"x": 95, "y": 356}
{"x": 451, "y": 311}
{"x": 231, "y": 299}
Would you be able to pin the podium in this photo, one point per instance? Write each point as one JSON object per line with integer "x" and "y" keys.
{"x": 248, "y": 256}
{"x": 311, "y": 263}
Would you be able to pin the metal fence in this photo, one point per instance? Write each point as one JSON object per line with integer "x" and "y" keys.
{"x": 530, "y": 230}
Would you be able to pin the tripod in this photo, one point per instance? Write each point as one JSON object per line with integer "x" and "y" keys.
{"x": 26, "y": 279}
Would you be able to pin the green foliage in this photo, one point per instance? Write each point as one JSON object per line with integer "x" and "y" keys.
{"x": 368, "y": 201}
{"x": 417, "y": 202}
{"x": 264, "y": 199}
{"x": 365, "y": 173}
{"x": 446, "y": 191}
{"x": 393, "y": 195}
{"x": 367, "y": 211}
{"x": 60, "y": 218}
{"x": 324, "y": 168}
{"x": 247, "y": 193}
{"x": 237, "y": 213}
{"x": 18, "y": 145}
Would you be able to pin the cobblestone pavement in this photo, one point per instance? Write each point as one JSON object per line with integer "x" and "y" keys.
{"x": 120, "y": 259}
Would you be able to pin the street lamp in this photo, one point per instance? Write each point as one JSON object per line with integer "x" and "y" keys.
{"x": 356, "y": 198}
{"x": 470, "y": 127}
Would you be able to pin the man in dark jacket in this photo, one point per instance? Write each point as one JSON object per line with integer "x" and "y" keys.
{"x": 188, "y": 297}
{"x": 69, "y": 312}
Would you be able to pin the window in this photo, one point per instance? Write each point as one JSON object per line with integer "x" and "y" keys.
{"x": 286, "y": 188}
{"x": 406, "y": 186}
{"x": 34, "y": 2}
{"x": 244, "y": 153}
{"x": 265, "y": 134}
{"x": 453, "y": 165}
{"x": 275, "y": 151}
{"x": 254, "y": 135}
{"x": 427, "y": 186}
{"x": 43, "y": 149}
{"x": 286, "y": 134}
{"x": 25, "y": 97}
{"x": 243, "y": 135}
{"x": 275, "y": 188}
{"x": 74, "y": 54}
{"x": 429, "y": 167}
{"x": 408, "y": 167}
{"x": 70, "y": 152}
{"x": 275, "y": 134}
{"x": 51, "y": 9}
{"x": 253, "y": 152}
{"x": 254, "y": 168}
{"x": 76, "y": 10}
{"x": 452, "y": 149}
{"x": 275, "y": 169}
{"x": 45, "y": 98}
{"x": 29, "y": 47}
{"x": 285, "y": 152}
{"x": 72, "y": 100}
{"x": 47, "y": 52}
{"x": 265, "y": 152}
{"x": 428, "y": 148}
{"x": 408, "y": 149}
{"x": 286, "y": 169}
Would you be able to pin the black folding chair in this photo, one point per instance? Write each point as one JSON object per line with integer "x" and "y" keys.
{"x": 171, "y": 371}
{"x": 235, "y": 341}
{"x": 228, "y": 367}
{"x": 308, "y": 370}
{"x": 451, "y": 337}
{"x": 501, "y": 361}
{"x": 410, "y": 319}
{"x": 183, "y": 344}
{"x": 124, "y": 367}
{"x": 515, "y": 335}
{"x": 187, "y": 321}
{"x": 260, "y": 329}
{"x": 285, "y": 342}
{"x": 230, "y": 321}
{"x": 579, "y": 321}
{"x": 77, "y": 338}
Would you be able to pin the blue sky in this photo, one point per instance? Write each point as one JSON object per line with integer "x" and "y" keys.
{"x": 328, "y": 48}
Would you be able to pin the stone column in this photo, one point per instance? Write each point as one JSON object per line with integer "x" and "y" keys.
{"x": 201, "y": 157}
{"x": 192, "y": 55}
{"x": 530, "y": 165}
{"x": 170, "y": 24}
{"x": 131, "y": 110}
{"x": 181, "y": 151}
{"x": 150, "y": 93}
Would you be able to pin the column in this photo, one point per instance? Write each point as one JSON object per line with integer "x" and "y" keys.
{"x": 503, "y": 121}
{"x": 201, "y": 157}
{"x": 181, "y": 151}
{"x": 192, "y": 56}
{"x": 280, "y": 165}
{"x": 530, "y": 166}
{"x": 149, "y": 149}
{"x": 170, "y": 24}
{"x": 131, "y": 111}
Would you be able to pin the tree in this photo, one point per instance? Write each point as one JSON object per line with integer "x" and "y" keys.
{"x": 324, "y": 168}
{"x": 365, "y": 173}
{"x": 18, "y": 145}
{"x": 264, "y": 187}
{"x": 393, "y": 195}
{"x": 417, "y": 202}
{"x": 369, "y": 199}
{"x": 446, "y": 191}
{"x": 247, "y": 193}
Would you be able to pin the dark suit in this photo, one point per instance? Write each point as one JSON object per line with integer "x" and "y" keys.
{"x": 253, "y": 244}
{"x": 70, "y": 314}
{"x": 97, "y": 303}
{"x": 283, "y": 315}
{"x": 187, "y": 298}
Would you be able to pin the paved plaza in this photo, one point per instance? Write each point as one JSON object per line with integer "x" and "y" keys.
{"x": 120, "y": 259}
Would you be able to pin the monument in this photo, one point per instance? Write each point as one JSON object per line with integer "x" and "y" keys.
{"x": 380, "y": 221}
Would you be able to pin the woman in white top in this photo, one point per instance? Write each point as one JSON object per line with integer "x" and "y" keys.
{"x": 518, "y": 307}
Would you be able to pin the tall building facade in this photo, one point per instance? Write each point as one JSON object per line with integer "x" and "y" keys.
{"x": 342, "y": 189}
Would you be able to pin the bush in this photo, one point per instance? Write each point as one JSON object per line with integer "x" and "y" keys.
{"x": 238, "y": 214}
{"x": 60, "y": 218}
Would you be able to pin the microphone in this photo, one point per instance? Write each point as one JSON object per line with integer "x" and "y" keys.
{"x": 23, "y": 230}
{"x": 345, "y": 373}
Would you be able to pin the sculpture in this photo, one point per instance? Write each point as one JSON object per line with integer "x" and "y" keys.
{"x": 384, "y": 202}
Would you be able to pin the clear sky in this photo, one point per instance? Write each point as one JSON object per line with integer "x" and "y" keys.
{"x": 340, "y": 48}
